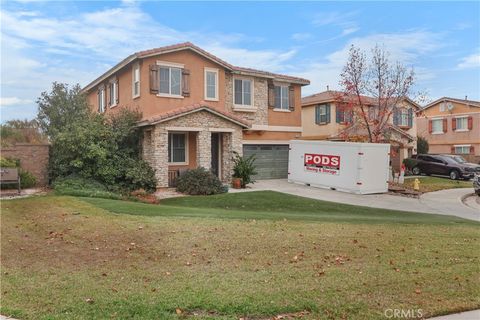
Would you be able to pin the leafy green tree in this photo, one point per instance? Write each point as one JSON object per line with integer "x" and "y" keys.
{"x": 92, "y": 145}
{"x": 26, "y": 131}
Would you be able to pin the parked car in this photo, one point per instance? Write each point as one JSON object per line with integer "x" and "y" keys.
{"x": 456, "y": 167}
{"x": 476, "y": 183}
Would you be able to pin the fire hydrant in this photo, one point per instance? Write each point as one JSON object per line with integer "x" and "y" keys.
{"x": 416, "y": 184}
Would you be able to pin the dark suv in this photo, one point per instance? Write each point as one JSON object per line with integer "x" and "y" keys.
{"x": 453, "y": 166}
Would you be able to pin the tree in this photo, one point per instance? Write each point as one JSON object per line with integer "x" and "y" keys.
{"x": 61, "y": 108}
{"x": 422, "y": 145}
{"x": 372, "y": 89}
{"x": 26, "y": 131}
{"x": 91, "y": 145}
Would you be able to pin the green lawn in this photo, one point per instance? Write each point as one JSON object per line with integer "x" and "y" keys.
{"x": 254, "y": 255}
{"x": 428, "y": 184}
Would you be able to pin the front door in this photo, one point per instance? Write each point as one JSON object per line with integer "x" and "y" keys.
{"x": 216, "y": 153}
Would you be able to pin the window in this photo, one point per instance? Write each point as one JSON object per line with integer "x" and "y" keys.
{"x": 101, "y": 100}
{"x": 281, "y": 97}
{"x": 170, "y": 81}
{"x": 403, "y": 117}
{"x": 177, "y": 148}
{"x": 461, "y": 124}
{"x": 437, "y": 126}
{"x": 464, "y": 149}
{"x": 322, "y": 114}
{"x": 442, "y": 107}
{"x": 343, "y": 115}
{"x": 211, "y": 84}
{"x": 136, "y": 81}
{"x": 242, "y": 92}
{"x": 113, "y": 90}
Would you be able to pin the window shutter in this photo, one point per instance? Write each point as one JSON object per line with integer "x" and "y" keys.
{"x": 154, "y": 78}
{"x": 186, "y": 83}
{"x": 110, "y": 93}
{"x": 328, "y": 113}
{"x": 410, "y": 117}
{"x": 338, "y": 111}
{"x": 452, "y": 150}
{"x": 470, "y": 123}
{"x": 430, "y": 127}
{"x": 445, "y": 124}
{"x": 472, "y": 150}
{"x": 454, "y": 124}
{"x": 395, "y": 116}
{"x": 291, "y": 98}
{"x": 99, "y": 101}
{"x": 117, "y": 100}
{"x": 317, "y": 114}
{"x": 271, "y": 95}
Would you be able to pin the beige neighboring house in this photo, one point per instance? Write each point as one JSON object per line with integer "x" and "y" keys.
{"x": 322, "y": 119}
{"x": 452, "y": 126}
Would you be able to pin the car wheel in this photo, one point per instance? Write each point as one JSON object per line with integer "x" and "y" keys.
{"x": 454, "y": 175}
{"x": 416, "y": 171}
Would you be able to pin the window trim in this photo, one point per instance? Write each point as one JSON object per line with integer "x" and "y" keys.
{"x": 170, "y": 65}
{"x": 455, "y": 146}
{"x": 136, "y": 66}
{"x": 186, "y": 135}
{"x": 113, "y": 82}
{"x": 456, "y": 124}
{"x": 252, "y": 88}
{"x": 282, "y": 88}
{"x": 437, "y": 132}
{"x": 205, "y": 72}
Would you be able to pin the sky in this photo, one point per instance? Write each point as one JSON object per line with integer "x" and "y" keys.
{"x": 75, "y": 42}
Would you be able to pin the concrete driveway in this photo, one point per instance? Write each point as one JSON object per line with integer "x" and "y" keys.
{"x": 447, "y": 202}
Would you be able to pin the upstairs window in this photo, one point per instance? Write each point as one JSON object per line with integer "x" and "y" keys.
{"x": 281, "y": 97}
{"x": 437, "y": 126}
{"x": 322, "y": 114}
{"x": 211, "y": 84}
{"x": 113, "y": 93}
{"x": 170, "y": 81}
{"x": 101, "y": 99}
{"x": 403, "y": 117}
{"x": 461, "y": 124}
{"x": 136, "y": 80}
{"x": 344, "y": 114}
{"x": 242, "y": 92}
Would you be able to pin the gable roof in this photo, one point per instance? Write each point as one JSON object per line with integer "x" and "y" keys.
{"x": 470, "y": 103}
{"x": 183, "y": 111}
{"x": 190, "y": 46}
{"x": 331, "y": 96}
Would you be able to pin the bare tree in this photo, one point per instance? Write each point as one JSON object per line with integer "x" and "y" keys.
{"x": 371, "y": 90}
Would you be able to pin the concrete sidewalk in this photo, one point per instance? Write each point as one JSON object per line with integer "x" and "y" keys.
{"x": 447, "y": 202}
{"x": 468, "y": 315}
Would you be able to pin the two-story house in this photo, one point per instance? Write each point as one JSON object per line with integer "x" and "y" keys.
{"x": 197, "y": 110}
{"x": 452, "y": 126}
{"x": 325, "y": 117}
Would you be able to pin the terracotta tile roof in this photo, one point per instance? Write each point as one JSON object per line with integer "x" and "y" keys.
{"x": 191, "y": 46}
{"x": 194, "y": 108}
{"x": 472, "y": 103}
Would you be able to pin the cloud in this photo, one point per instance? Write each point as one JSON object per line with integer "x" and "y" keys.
{"x": 342, "y": 20}
{"x": 406, "y": 47}
{"x": 301, "y": 36}
{"x": 471, "y": 61}
{"x": 11, "y": 101}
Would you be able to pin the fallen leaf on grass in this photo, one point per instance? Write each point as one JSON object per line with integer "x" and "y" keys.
{"x": 89, "y": 300}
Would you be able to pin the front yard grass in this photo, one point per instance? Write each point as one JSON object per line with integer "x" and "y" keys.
{"x": 429, "y": 184}
{"x": 253, "y": 255}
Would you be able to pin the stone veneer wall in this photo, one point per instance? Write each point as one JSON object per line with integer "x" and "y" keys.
{"x": 155, "y": 147}
{"x": 33, "y": 158}
{"x": 260, "y": 100}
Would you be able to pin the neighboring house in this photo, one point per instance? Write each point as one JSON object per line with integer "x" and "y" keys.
{"x": 197, "y": 110}
{"x": 452, "y": 126}
{"x": 324, "y": 118}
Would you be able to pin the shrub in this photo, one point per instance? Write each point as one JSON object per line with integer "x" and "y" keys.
{"x": 81, "y": 187}
{"x": 422, "y": 145}
{"x": 244, "y": 168}
{"x": 9, "y": 163}
{"x": 27, "y": 179}
{"x": 199, "y": 181}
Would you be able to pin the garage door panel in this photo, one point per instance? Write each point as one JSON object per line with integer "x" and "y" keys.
{"x": 271, "y": 161}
